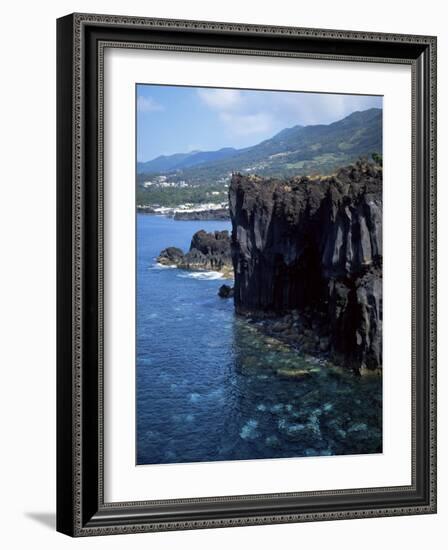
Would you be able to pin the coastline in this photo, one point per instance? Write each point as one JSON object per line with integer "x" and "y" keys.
{"x": 207, "y": 252}
{"x": 189, "y": 212}
{"x": 287, "y": 402}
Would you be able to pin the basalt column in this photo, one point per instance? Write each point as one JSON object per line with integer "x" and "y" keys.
{"x": 313, "y": 246}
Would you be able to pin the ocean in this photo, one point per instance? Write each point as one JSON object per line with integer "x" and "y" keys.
{"x": 207, "y": 381}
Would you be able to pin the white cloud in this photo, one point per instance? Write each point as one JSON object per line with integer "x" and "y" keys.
{"x": 146, "y": 104}
{"x": 220, "y": 99}
{"x": 248, "y": 116}
{"x": 314, "y": 108}
{"x": 247, "y": 124}
{"x": 235, "y": 112}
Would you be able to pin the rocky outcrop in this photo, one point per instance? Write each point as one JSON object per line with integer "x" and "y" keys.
{"x": 225, "y": 291}
{"x": 313, "y": 247}
{"x": 145, "y": 210}
{"x": 208, "y": 251}
{"x": 170, "y": 256}
{"x": 215, "y": 214}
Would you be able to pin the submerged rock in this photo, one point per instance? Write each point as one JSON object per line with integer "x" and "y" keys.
{"x": 364, "y": 371}
{"x": 358, "y": 427}
{"x": 272, "y": 441}
{"x": 278, "y": 408}
{"x": 295, "y": 432}
{"x": 297, "y": 374}
{"x": 249, "y": 430}
{"x": 225, "y": 291}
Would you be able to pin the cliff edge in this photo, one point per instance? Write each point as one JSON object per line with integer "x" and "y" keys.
{"x": 312, "y": 247}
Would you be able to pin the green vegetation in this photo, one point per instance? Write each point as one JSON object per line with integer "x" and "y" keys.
{"x": 376, "y": 157}
{"x": 173, "y": 196}
{"x": 300, "y": 150}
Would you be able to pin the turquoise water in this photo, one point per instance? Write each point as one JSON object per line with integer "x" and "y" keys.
{"x": 208, "y": 386}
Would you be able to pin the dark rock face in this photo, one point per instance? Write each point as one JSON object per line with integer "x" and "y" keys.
{"x": 314, "y": 247}
{"x": 170, "y": 256}
{"x": 220, "y": 214}
{"x": 145, "y": 210}
{"x": 225, "y": 291}
{"x": 208, "y": 251}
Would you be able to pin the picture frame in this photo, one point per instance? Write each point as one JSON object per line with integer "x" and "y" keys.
{"x": 81, "y": 506}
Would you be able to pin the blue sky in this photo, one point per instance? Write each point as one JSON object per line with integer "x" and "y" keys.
{"x": 177, "y": 119}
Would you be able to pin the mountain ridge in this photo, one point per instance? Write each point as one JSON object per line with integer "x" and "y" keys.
{"x": 287, "y": 152}
{"x": 183, "y": 160}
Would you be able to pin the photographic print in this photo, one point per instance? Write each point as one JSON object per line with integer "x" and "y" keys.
{"x": 259, "y": 274}
{"x": 224, "y": 355}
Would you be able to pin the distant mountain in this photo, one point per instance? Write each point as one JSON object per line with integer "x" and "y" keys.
{"x": 356, "y": 134}
{"x": 180, "y": 161}
{"x": 298, "y": 150}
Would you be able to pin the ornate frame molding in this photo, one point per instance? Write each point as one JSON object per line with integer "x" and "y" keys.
{"x": 81, "y": 41}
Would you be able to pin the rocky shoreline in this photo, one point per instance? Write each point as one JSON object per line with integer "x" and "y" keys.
{"x": 208, "y": 252}
{"x": 307, "y": 256}
{"x": 181, "y": 214}
{"x": 299, "y": 332}
{"x": 145, "y": 210}
{"x": 217, "y": 214}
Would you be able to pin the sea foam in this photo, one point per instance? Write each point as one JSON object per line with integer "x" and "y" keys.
{"x": 202, "y": 275}
{"x": 157, "y": 267}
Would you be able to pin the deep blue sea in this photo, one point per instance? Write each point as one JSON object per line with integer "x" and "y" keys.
{"x": 207, "y": 387}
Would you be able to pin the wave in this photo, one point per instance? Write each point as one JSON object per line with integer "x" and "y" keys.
{"x": 202, "y": 275}
{"x": 157, "y": 267}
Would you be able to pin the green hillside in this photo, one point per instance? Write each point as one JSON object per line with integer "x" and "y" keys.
{"x": 299, "y": 150}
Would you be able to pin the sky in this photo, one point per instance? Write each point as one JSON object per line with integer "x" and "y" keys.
{"x": 180, "y": 119}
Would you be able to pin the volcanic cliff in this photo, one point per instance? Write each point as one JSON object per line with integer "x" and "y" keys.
{"x": 308, "y": 251}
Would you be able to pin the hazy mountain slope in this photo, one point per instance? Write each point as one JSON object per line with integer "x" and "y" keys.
{"x": 297, "y": 150}
{"x": 180, "y": 161}
{"x": 203, "y": 177}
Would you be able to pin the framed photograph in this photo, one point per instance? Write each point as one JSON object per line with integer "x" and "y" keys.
{"x": 246, "y": 274}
